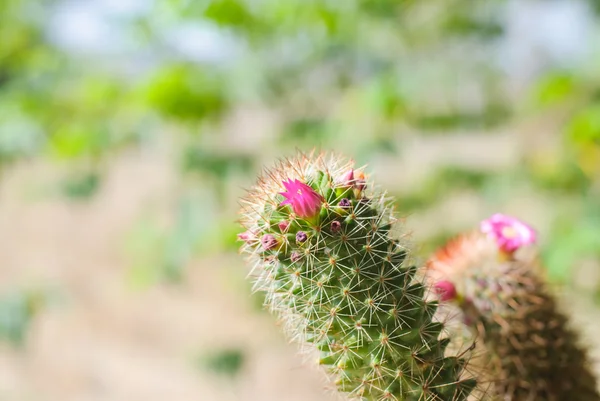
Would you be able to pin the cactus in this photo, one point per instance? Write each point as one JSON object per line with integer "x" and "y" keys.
{"x": 495, "y": 279}
{"x": 319, "y": 239}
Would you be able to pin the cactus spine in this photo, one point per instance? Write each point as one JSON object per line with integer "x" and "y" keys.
{"x": 323, "y": 253}
{"x": 534, "y": 354}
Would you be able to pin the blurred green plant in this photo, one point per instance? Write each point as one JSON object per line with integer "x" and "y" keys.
{"x": 226, "y": 362}
{"x": 17, "y": 310}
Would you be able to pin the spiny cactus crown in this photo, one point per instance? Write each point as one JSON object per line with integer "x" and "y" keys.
{"x": 322, "y": 252}
{"x": 495, "y": 279}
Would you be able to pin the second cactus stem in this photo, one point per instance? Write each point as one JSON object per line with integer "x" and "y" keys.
{"x": 321, "y": 245}
{"x": 493, "y": 275}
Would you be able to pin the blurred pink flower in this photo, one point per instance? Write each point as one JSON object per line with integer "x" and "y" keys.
{"x": 510, "y": 233}
{"x": 304, "y": 200}
{"x": 246, "y": 236}
{"x": 446, "y": 290}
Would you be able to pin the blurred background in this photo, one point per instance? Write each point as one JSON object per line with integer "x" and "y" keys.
{"x": 130, "y": 128}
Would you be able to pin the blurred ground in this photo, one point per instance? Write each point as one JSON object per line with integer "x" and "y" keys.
{"x": 102, "y": 339}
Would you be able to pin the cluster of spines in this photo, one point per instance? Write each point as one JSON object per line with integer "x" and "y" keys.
{"x": 533, "y": 352}
{"x": 340, "y": 282}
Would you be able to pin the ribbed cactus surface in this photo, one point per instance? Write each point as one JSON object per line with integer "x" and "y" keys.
{"x": 533, "y": 352}
{"x": 320, "y": 242}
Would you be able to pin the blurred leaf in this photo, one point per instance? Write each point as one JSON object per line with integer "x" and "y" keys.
{"x": 385, "y": 9}
{"x": 145, "y": 244}
{"x": 227, "y": 361}
{"x": 573, "y": 241}
{"x": 17, "y": 309}
{"x": 446, "y": 180}
{"x": 492, "y": 116}
{"x": 187, "y": 92}
{"x": 229, "y": 13}
{"x": 585, "y": 125}
{"x": 191, "y": 224}
{"x": 461, "y": 23}
{"x": 553, "y": 88}
{"x": 386, "y": 99}
{"x": 311, "y": 130}
{"x": 81, "y": 186}
{"x": 162, "y": 253}
{"x": 78, "y": 139}
{"x": 19, "y": 136}
{"x": 217, "y": 165}
{"x": 563, "y": 176}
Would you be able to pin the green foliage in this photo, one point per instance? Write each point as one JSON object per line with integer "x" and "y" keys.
{"x": 491, "y": 116}
{"x": 161, "y": 252}
{"x": 585, "y": 126}
{"x": 81, "y": 186}
{"x": 554, "y": 88}
{"x": 575, "y": 238}
{"x": 226, "y": 362}
{"x": 446, "y": 180}
{"x": 229, "y": 13}
{"x": 219, "y": 165}
{"x": 20, "y": 137}
{"x": 17, "y": 309}
{"x": 186, "y": 92}
{"x": 305, "y": 130}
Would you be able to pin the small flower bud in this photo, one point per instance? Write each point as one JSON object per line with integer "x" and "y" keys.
{"x": 360, "y": 182}
{"x": 446, "y": 290}
{"x": 336, "y": 226}
{"x": 347, "y": 180}
{"x": 301, "y": 237}
{"x": 246, "y": 236}
{"x": 283, "y": 225}
{"x": 268, "y": 242}
{"x": 344, "y": 203}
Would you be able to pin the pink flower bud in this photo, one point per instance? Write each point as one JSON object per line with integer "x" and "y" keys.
{"x": 344, "y": 203}
{"x": 305, "y": 201}
{"x": 360, "y": 183}
{"x": 268, "y": 242}
{"x": 347, "y": 180}
{"x": 246, "y": 236}
{"x": 283, "y": 225}
{"x": 301, "y": 237}
{"x": 336, "y": 226}
{"x": 446, "y": 290}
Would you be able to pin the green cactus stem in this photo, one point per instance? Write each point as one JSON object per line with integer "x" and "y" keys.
{"x": 319, "y": 240}
{"x": 533, "y": 352}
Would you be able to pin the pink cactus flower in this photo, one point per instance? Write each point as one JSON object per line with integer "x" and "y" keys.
{"x": 510, "y": 233}
{"x": 304, "y": 200}
{"x": 446, "y": 290}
